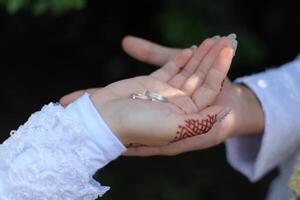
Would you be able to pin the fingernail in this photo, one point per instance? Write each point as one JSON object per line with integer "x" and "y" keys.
{"x": 222, "y": 115}
{"x": 194, "y": 47}
{"x": 234, "y": 45}
{"x": 232, "y": 36}
{"x": 216, "y": 38}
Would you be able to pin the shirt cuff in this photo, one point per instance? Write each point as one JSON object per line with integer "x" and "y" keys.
{"x": 254, "y": 156}
{"x": 84, "y": 112}
{"x": 251, "y": 154}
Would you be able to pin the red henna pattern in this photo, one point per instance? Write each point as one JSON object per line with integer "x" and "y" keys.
{"x": 194, "y": 127}
{"x": 222, "y": 85}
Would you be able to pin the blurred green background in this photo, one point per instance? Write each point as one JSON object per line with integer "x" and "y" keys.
{"x": 51, "y": 47}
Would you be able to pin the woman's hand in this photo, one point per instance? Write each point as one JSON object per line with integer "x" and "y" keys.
{"x": 151, "y": 123}
{"x": 154, "y": 123}
{"x": 190, "y": 88}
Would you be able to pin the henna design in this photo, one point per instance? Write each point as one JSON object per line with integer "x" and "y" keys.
{"x": 191, "y": 128}
{"x": 222, "y": 85}
{"x": 194, "y": 127}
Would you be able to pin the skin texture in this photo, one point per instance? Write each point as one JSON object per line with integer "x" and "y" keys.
{"x": 135, "y": 145}
{"x": 203, "y": 89}
{"x": 191, "y": 128}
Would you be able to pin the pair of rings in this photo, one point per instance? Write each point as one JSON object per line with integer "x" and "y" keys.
{"x": 152, "y": 96}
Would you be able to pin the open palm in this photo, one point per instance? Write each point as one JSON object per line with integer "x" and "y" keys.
{"x": 191, "y": 81}
{"x": 144, "y": 121}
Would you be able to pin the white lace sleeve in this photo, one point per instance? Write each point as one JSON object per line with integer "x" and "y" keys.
{"x": 55, "y": 154}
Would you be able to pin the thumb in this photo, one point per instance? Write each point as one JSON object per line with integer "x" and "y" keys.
{"x": 148, "y": 52}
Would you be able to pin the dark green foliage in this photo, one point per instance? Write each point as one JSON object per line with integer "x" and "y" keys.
{"x": 39, "y": 7}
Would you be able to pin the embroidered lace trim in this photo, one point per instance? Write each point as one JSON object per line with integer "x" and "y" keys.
{"x": 45, "y": 160}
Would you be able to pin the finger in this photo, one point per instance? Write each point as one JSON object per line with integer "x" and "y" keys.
{"x": 210, "y": 89}
{"x": 172, "y": 67}
{"x": 196, "y": 79}
{"x": 178, "y": 80}
{"x": 69, "y": 98}
{"x": 191, "y": 127}
{"x": 148, "y": 52}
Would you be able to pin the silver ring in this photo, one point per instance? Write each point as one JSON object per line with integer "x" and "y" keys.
{"x": 140, "y": 96}
{"x": 156, "y": 97}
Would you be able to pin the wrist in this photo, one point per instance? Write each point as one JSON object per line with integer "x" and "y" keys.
{"x": 250, "y": 118}
{"x": 110, "y": 117}
{"x": 114, "y": 124}
{"x": 84, "y": 113}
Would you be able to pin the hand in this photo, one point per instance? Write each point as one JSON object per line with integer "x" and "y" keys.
{"x": 186, "y": 104}
{"x": 246, "y": 117}
{"x": 154, "y": 123}
{"x": 152, "y": 53}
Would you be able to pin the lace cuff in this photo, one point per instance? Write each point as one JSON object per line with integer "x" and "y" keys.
{"x": 55, "y": 154}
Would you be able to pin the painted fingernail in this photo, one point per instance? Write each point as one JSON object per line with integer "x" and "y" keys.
{"x": 232, "y": 36}
{"x": 234, "y": 45}
{"x": 216, "y": 38}
{"x": 222, "y": 115}
{"x": 194, "y": 47}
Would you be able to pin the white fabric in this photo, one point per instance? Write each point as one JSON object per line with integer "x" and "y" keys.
{"x": 55, "y": 154}
{"x": 279, "y": 93}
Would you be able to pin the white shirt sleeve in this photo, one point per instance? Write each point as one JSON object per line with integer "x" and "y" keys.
{"x": 55, "y": 154}
{"x": 279, "y": 93}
